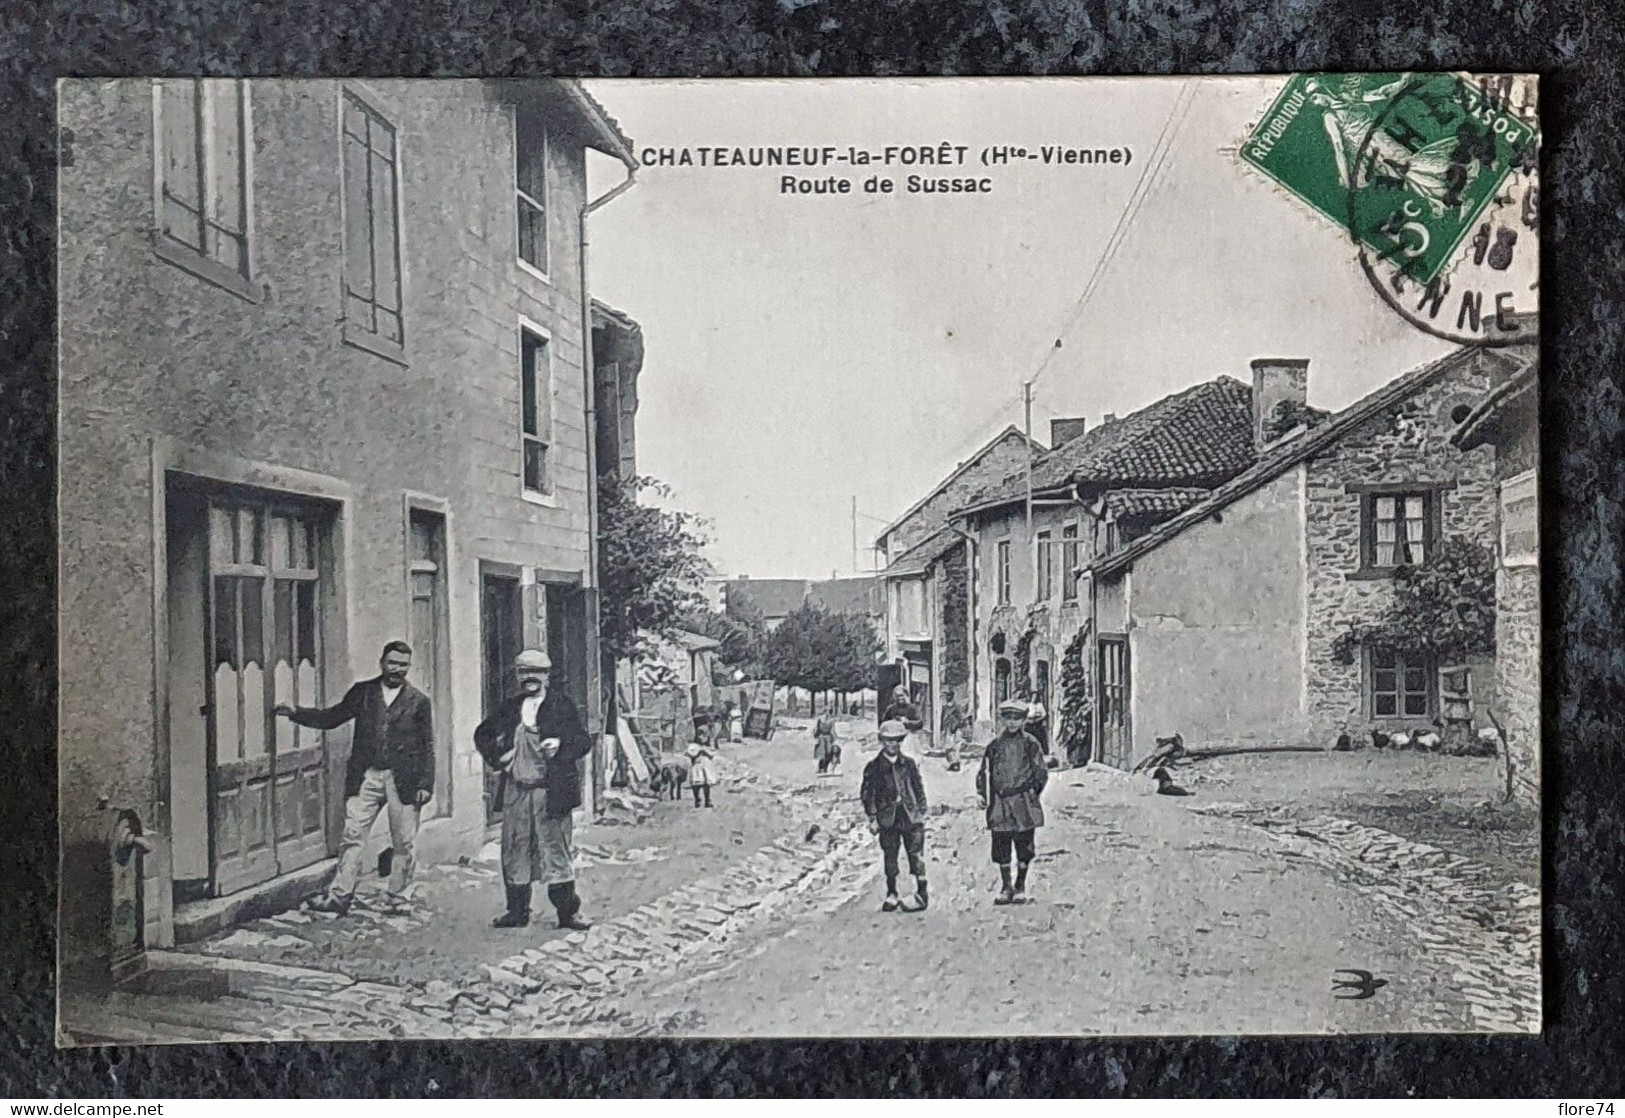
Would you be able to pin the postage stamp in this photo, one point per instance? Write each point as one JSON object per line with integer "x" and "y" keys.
{"x": 1425, "y": 173}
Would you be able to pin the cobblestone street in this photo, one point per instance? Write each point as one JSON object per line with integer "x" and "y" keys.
{"x": 1148, "y": 915}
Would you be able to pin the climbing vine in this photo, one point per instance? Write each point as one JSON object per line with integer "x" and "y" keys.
{"x": 1444, "y": 607}
{"x": 1077, "y": 706}
{"x": 1021, "y": 686}
{"x": 955, "y": 621}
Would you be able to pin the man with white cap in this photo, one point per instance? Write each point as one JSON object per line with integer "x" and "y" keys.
{"x": 536, "y": 739}
{"x": 1012, "y": 775}
{"x": 894, "y": 800}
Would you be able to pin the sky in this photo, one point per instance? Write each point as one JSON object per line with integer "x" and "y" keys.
{"x": 802, "y": 350}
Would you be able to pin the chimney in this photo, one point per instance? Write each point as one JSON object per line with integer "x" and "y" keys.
{"x": 1109, "y": 417}
{"x": 1063, "y": 431}
{"x": 1278, "y": 379}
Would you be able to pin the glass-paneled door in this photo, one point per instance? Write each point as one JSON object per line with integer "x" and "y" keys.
{"x": 268, "y": 777}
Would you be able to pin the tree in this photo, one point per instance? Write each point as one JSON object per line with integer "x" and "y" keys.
{"x": 1444, "y": 607}
{"x": 650, "y": 565}
{"x": 821, "y": 651}
{"x": 741, "y": 645}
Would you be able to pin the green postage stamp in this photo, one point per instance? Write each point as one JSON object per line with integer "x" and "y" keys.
{"x": 1405, "y": 163}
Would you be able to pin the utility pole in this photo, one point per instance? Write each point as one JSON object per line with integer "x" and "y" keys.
{"x": 855, "y": 534}
{"x": 1032, "y": 550}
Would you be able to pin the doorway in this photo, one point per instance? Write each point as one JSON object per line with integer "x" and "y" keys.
{"x": 502, "y": 636}
{"x": 250, "y": 793}
{"x": 428, "y": 626}
{"x": 1116, "y": 729}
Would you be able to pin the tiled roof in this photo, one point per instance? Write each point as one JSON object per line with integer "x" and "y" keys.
{"x": 616, "y": 142}
{"x": 1199, "y": 437}
{"x": 1293, "y": 449}
{"x": 1131, "y": 504}
{"x": 849, "y": 595}
{"x": 918, "y": 559}
{"x": 1483, "y": 423}
{"x": 775, "y": 597}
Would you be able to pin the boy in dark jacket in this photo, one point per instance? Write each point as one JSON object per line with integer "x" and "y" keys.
{"x": 894, "y": 800}
{"x": 1012, "y": 776}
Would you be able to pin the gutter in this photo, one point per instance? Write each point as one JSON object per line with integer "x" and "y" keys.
{"x": 589, "y": 366}
{"x": 590, "y": 410}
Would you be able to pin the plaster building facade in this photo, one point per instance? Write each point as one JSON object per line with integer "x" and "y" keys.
{"x": 325, "y": 382}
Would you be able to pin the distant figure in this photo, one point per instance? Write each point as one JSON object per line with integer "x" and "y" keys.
{"x": 825, "y": 751}
{"x": 1038, "y": 724}
{"x": 1012, "y": 776}
{"x": 699, "y": 772}
{"x": 956, "y": 726}
{"x": 725, "y": 722}
{"x": 894, "y": 800}
{"x": 903, "y": 709}
{"x": 1166, "y": 785}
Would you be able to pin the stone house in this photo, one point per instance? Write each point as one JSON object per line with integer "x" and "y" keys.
{"x": 1230, "y": 622}
{"x": 1095, "y": 489}
{"x": 325, "y": 382}
{"x": 923, "y": 622}
{"x": 776, "y": 598}
{"x": 1507, "y": 419}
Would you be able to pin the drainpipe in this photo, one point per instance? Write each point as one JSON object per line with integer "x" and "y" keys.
{"x": 591, "y": 410}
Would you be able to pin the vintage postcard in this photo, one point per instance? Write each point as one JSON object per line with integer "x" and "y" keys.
{"x": 964, "y": 557}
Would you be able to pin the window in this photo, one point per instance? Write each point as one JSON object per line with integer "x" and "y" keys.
{"x": 1398, "y": 528}
{"x": 535, "y": 411}
{"x": 1520, "y": 524}
{"x": 1069, "y": 563}
{"x": 1400, "y": 685}
{"x": 1046, "y": 567}
{"x": 1003, "y": 572}
{"x": 1001, "y": 680}
{"x": 372, "y": 233}
{"x": 530, "y": 187}
{"x": 203, "y": 158}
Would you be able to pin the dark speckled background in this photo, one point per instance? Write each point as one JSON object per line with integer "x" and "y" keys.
{"x": 1575, "y": 46}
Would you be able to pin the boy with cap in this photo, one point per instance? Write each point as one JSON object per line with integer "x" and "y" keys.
{"x": 1012, "y": 775}
{"x": 535, "y": 740}
{"x": 894, "y": 800}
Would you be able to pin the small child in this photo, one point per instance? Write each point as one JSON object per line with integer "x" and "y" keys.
{"x": 699, "y": 773}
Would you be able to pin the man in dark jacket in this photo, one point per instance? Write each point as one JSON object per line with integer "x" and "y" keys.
{"x": 894, "y": 800}
{"x": 1012, "y": 775}
{"x": 391, "y": 769}
{"x": 536, "y": 739}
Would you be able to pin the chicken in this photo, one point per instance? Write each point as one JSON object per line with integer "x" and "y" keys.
{"x": 1429, "y": 741}
{"x": 1166, "y": 785}
{"x": 1380, "y": 739}
{"x": 1401, "y": 740}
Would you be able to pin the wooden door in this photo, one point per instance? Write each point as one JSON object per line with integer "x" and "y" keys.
{"x": 268, "y": 787}
{"x": 1116, "y": 733}
{"x": 427, "y": 635}
{"x": 501, "y": 639}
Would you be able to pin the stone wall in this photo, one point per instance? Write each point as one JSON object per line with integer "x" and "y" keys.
{"x": 1408, "y": 443}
